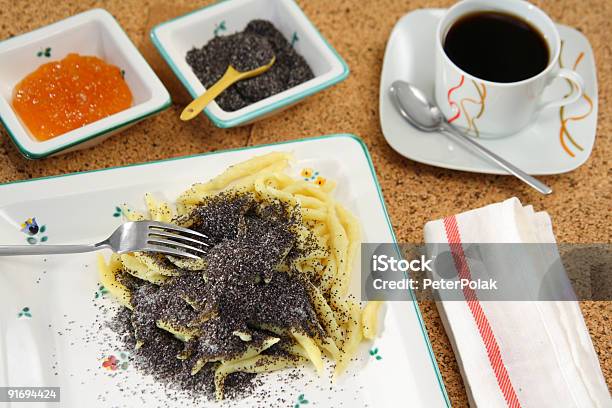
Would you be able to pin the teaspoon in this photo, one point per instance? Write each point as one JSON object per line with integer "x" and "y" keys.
{"x": 414, "y": 106}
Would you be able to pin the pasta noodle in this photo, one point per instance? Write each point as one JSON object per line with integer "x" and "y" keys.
{"x": 369, "y": 321}
{"x": 108, "y": 278}
{"x": 336, "y": 231}
{"x": 312, "y": 350}
{"x": 354, "y": 336}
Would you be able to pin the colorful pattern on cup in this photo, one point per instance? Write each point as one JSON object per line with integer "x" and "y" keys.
{"x": 492, "y": 109}
{"x": 564, "y": 132}
{"x": 461, "y": 108}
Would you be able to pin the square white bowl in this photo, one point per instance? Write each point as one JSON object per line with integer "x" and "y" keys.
{"x": 176, "y": 37}
{"x": 94, "y": 32}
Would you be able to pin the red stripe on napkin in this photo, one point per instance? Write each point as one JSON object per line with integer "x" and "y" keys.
{"x": 484, "y": 327}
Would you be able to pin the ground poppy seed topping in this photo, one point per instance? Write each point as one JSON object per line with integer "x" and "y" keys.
{"x": 242, "y": 300}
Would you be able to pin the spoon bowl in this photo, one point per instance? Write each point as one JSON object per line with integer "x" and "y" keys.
{"x": 414, "y": 106}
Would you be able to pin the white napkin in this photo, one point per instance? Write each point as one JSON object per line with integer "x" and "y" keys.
{"x": 518, "y": 353}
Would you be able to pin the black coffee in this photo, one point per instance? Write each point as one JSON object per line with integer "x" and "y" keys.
{"x": 497, "y": 47}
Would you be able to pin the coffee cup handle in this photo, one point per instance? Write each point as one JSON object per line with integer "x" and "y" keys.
{"x": 577, "y": 89}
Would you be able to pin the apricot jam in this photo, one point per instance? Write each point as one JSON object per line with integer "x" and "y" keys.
{"x": 64, "y": 95}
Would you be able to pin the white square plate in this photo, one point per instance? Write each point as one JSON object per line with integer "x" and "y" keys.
{"x": 537, "y": 149}
{"x": 175, "y": 37}
{"x": 94, "y": 32}
{"x": 56, "y": 341}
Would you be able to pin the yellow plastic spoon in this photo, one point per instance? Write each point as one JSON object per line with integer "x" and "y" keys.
{"x": 231, "y": 76}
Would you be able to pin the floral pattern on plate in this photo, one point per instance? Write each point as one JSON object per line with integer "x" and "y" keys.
{"x": 35, "y": 233}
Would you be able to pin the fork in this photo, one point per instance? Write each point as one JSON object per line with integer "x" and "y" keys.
{"x": 134, "y": 236}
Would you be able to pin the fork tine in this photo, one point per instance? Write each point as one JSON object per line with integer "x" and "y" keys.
{"x": 162, "y": 233}
{"x": 169, "y": 251}
{"x": 180, "y": 245}
{"x": 170, "y": 227}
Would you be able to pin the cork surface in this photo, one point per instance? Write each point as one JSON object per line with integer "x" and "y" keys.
{"x": 415, "y": 193}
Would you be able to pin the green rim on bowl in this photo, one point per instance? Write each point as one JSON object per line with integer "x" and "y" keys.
{"x": 30, "y": 155}
{"x": 380, "y": 198}
{"x": 288, "y": 100}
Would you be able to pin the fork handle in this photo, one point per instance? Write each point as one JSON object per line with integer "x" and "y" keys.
{"x": 13, "y": 250}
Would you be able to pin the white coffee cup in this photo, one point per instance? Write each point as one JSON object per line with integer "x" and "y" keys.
{"x": 496, "y": 108}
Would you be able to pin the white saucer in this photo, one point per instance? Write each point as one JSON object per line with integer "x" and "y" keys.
{"x": 537, "y": 149}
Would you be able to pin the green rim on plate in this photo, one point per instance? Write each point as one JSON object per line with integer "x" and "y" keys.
{"x": 380, "y": 197}
{"x": 288, "y": 100}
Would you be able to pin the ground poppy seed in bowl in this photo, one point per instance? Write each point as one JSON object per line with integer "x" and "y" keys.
{"x": 246, "y": 50}
{"x": 251, "y": 52}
